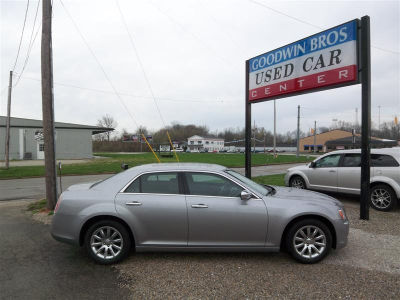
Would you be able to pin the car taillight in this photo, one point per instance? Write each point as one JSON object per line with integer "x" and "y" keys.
{"x": 57, "y": 204}
{"x": 342, "y": 214}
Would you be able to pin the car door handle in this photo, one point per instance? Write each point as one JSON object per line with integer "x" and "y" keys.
{"x": 134, "y": 203}
{"x": 332, "y": 171}
{"x": 199, "y": 206}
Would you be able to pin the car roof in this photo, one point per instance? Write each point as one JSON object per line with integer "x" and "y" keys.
{"x": 178, "y": 166}
{"x": 395, "y": 151}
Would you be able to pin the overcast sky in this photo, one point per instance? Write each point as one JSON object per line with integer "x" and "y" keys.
{"x": 193, "y": 53}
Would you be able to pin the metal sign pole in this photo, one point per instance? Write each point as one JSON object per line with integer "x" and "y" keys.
{"x": 247, "y": 149}
{"x": 365, "y": 117}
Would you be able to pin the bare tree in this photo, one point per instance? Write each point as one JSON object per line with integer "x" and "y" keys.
{"x": 107, "y": 121}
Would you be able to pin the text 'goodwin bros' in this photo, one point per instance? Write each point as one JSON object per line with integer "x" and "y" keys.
{"x": 323, "y": 60}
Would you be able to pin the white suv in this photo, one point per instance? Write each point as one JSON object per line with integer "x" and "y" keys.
{"x": 340, "y": 171}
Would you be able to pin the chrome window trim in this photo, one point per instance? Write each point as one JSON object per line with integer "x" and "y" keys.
{"x": 122, "y": 191}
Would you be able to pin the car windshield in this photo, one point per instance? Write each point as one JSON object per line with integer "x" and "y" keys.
{"x": 264, "y": 190}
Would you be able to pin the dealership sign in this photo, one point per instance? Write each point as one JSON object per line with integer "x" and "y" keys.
{"x": 325, "y": 60}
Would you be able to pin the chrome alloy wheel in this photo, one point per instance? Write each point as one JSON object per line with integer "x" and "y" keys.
{"x": 309, "y": 241}
{"x": 297, "y": 183}
{"x": 381, "y": 198}
{"x": 106, "y": 242}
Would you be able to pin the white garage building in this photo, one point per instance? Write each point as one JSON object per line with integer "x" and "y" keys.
{"x": 210, "y": 144}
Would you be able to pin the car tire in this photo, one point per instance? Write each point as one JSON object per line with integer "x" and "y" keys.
{"x": 309, "y": 241}
{"x": 383, "y": 198}
{"x": 297, "y": 182}
{"x": 107, "y": 242}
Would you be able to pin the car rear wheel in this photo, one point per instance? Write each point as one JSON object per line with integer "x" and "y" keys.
{"x": 297, "y": 182}
{"x": 107, "y": 242}
{"x": 309, "y": 241}
{"x": 383, "y": 197}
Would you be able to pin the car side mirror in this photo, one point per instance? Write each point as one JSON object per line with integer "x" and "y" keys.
{"x": 245, "y": 195}
{"x": 312, "y": 164}
{"x": 124, "y": 166}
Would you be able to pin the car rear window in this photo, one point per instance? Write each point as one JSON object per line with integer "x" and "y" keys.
{"x": 155, "y": 183}
{"x": 382, "y": 160}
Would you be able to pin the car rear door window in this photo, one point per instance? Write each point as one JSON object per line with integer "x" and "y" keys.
{"x": 155, "y": 183}
{"x": 351, "y": 160}
{"x": 330, "y": 161}
{"x": 382, "y": 160}
{"x": 208, "y": 184}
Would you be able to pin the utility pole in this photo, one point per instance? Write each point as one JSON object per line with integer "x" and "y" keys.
{"x": 254, "y": 137}
{"x": 264, "y": 141}
{"x": 7, "y": 150}
{"x": 379, "y": 118}
{"x": 298, "y": 131}
{"x": 48, "y": 106}
{"x": 356, "y": 125}
{"x": 274, "y": 129}
{"x": 315, "y": 136}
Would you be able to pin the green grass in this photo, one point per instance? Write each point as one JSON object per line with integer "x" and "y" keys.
{"x": 271, "y": 179}
{"x": 112, "y": 164}
{"x": 37, "y": 206}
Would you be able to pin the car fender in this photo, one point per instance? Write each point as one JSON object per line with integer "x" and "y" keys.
{"x": 389, "y": 181}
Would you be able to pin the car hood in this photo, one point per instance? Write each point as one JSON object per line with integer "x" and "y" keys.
{"x": 295, "y": 194}
{"x": 301, "y": 167}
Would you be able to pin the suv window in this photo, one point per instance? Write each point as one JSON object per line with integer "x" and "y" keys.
{"x": 351, "y": 160}
{"x": 155, "y": 183}
{"x": 207, "y": 184}
{"x": 381, "y": 160}
{"x": 330, "y": 161}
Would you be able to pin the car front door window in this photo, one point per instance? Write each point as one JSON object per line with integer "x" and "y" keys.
{"x": 330, "y": 161}
{"x": 207, "y": 184}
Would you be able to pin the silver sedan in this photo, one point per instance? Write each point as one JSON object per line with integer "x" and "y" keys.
{"x": 196, "y": 207}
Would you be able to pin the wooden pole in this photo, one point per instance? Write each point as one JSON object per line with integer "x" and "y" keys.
{"x": 7, "y": 150}
{"x": 48, "y": 106}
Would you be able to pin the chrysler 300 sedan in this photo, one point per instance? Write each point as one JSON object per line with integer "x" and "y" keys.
{"x": 196, "y": 207}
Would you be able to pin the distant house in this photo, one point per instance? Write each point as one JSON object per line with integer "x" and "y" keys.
{"x": 339, "y": 139}
{"x": 73, "y": 141}
{"x": 210, "y": 144}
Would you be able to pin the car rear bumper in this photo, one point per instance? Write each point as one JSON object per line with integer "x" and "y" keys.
{"x": 63, "y": 230}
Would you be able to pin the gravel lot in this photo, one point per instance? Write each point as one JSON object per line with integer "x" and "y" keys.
{"x": 368, "y": 268}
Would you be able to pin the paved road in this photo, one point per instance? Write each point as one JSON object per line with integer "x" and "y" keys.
{"x": 34, "y": 188}
{"x": 34, "y": 266}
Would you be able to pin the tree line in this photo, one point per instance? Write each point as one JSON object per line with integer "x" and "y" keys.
{"x": 233, "y": 136}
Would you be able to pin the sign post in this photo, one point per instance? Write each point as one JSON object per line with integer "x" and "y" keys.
{"x": 365, "y": 117}
{"x": 326, "y": 60}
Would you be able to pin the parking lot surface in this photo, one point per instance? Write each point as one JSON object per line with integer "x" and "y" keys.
{"x": 35, "y": 266}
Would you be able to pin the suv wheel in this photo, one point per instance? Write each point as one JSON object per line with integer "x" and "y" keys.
{"x": 383, "y": 197}
{"x": 309, "y": 241}
{"x": 107, "y": 242}
{"x": 297, "y": 182}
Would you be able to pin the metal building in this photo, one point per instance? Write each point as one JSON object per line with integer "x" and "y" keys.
{"x": 73, "y": 141}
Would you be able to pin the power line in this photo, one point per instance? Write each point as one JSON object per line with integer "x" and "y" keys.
{"x": 310, "y": 24}
{"x": 99, "y": 64}
{"x": 31, "y": 43}
{"x": 140, "y": 62}
{"x": 124, "y": 94}
{"x": 22, "y": 35}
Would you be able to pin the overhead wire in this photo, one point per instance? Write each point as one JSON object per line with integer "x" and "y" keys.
{"x": 123, "y": 93}
{"x": 132, "y": 42}
{"x": 22, "y": 35}
{"x": 310, "y": 24}
{"x": 98, "y": 63}
{"x": 31, "y": 43}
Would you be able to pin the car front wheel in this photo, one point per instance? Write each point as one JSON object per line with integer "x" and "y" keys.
{"x": 383, "y": 197}
{"x": 309, "y": 241}
{"x": 297, "y": 182}
{"x": 107, "y": 242}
